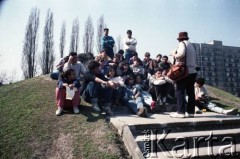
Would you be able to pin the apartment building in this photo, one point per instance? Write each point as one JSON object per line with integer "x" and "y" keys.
{"x": 220, "y": 65}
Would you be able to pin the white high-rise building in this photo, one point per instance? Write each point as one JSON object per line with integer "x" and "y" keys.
{"x": 220, "y": 65}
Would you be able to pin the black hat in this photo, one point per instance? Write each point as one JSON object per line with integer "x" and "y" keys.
{"x": 182, "y": 36}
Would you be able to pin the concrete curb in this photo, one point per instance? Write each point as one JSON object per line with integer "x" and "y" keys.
{"x": 128, "y": 139}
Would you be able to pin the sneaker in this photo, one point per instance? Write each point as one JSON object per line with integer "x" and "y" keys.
{"x": 231, "y": 111}
{"x": 76, "y": 110}
{"x": 189, "y": 115}
{"x": 107, "y": 110}
{"x": 140, "y": 111}
{"x": 160, "y": 102}
{"x": 96, "y": 107}
{"x": 166, "y": 104}
{"x": 59, "y": 111}
{"x": 177, "y": 115}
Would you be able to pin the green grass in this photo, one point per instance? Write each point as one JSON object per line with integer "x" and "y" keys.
{"x": 223, "y": 99}
{"x": 30, "y": 129}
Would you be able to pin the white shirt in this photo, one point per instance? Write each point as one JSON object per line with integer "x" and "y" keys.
{"x": 132, "y": 45}
{"x": 199, "y": 91}
{"x": 191, "y": 55}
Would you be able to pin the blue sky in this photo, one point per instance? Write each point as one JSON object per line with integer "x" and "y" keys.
{"x": 155, "y": 23}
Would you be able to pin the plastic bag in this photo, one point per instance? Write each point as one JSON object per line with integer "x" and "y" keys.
{"x": 70, "y": 93}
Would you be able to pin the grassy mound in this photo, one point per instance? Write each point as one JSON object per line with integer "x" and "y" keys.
{"x": 30, "y": 129}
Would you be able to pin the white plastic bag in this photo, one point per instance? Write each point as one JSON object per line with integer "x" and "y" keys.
{"x": 70, "y": 93}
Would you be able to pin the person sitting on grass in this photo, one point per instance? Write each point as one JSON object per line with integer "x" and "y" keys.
{"x": 68, "y": 82}
{"x": 96, "y": 88}
{"x": 203, "y": 102}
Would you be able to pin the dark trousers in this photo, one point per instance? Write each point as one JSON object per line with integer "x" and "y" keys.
{"x": 96, "y": 91}
{"x": 183, "y": 87}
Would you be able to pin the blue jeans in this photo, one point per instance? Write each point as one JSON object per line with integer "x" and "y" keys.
{"x": 95, "y": 91}
{"x": 134, "y": 105}
{"x": 128, "y": 55}
{"x": 209, "y": 106}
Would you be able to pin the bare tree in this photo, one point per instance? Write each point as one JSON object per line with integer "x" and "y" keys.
{"x": 74, "y": 36}
{"x": 62, "y": 39}
{"x": 100, "y": 26}
{"x": 119, "y": 43}
{"x": 47, "y": 58}
{"x": 88, "y": 36}
{"x": 30, "y": 45}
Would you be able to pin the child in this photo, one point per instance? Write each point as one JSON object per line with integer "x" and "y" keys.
{"x": 112, "y": 76}
{"x": 202, "y": 100}
{"x": 132, "y": 98}
{"x": 68, "y": 80}
{"x": 158, "y": 87}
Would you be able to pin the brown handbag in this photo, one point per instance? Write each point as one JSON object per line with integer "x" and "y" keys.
{"x": 178, "y": 71}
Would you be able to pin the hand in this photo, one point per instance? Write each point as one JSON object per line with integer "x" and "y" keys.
{"x": 111, "y": 84}
{"x": 65, "y": 84}
{"x": 70, "y": 59}
{"x": 71, "y": 86}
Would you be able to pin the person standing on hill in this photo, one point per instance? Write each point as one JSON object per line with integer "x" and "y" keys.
{"x": 186, "y": 85}
{"x": 107, "y": 43}
{"x": 129, "y": 45}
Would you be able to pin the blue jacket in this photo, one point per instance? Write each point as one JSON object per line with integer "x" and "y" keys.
{"x": 61, "y": 81}
{"x": 107, "y": 43}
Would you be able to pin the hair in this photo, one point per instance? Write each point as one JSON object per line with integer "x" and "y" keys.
{"x": 159, "y": 55}
{"x": 117, "y": 55}
{"x": 72, "y": 54}
{"x": 65, "y": 74}
{"x": 165, "y": 56}
{"x": 105, "y": 29}
{"x": 110, "y": 68}
{"x": 157, "y": 69}
{"x": 138, "y": 75}
{"x": 135, "y": 53}
{"x": 127, "y": 79}
{"x": 92, "y": 65}
{"x": 121, "y": 52}
{"x": 200, "y": 81}
{"x": 147, "y": 54}
{"x": 129, "y": 32}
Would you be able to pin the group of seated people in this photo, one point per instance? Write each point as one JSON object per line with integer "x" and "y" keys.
{"x": 106, "y": 82}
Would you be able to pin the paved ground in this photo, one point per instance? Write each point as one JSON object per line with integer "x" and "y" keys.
{"x": 130, "y": 119}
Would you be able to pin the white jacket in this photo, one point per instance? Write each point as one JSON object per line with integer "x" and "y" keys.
{"x": 132, "y": 46}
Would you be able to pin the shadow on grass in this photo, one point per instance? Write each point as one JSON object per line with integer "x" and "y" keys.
{"x": 212, "y": 98}
{"x": 91, "y": 115}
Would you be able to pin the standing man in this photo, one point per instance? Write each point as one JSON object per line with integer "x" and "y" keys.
{"x": 129, "y": 45}
{"x": 107, "y": 43}
{"x": 186, "y": 85}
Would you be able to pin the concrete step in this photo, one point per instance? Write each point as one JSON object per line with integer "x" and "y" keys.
{"x": 157, "y": 141}
{"x": 218, "y": 152}
{"x": 144, "y": 137}
{"x": 188, "y": 125}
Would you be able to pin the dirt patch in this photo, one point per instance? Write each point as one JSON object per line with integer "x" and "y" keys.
{"x": 62, "y": 147}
